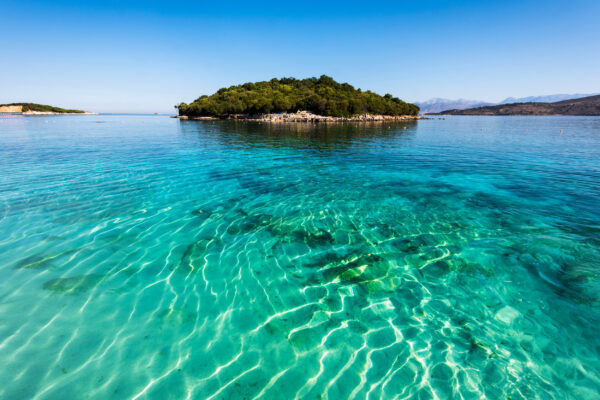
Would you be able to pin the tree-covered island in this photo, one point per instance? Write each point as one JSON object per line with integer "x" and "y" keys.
{"x": 320, "y": 97}
{"x": 33, "y": 109}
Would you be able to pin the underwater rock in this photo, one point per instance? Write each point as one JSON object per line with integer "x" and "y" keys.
{"x": 73, "y": 285}
{"x": 54, "y": 238}
{"x": 250, "y": 223}
{"x": 129, "y": 271}
{"x": 201, "y": 212}
{"x": 289, "y": 234}
{"x": 193, "y": 254}
{"x": 313, "y": 239}
{"x": 507, "y": 315}
{"x": 387, "y": 231}
{"x": 325, "y": 258}
{"x": 41, "y": 260}
{"x": 176, "y": 316}
{"x": 383, "y": 285}
{"x": 344, "y": 270}
{"x": 437, "y": 269}
{"x": 573, "y": 281}
{"x": 304, "y": 339}
{"x": 405, "y": 245}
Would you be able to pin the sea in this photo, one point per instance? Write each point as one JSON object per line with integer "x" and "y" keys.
{"x": 146, "y": 257}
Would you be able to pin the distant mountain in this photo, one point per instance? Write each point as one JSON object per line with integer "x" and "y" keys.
{"x": 437, "y": 105}
{"x": 582, "y": 106}
{"x": 545, "y": 99}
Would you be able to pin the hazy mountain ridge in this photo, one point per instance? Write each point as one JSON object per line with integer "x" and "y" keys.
{"x": 438, "y": 105}
{"x": 551, "y": 98}
{"x": 581, "y": 106}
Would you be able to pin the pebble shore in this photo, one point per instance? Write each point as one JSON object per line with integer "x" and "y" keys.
{"x": 304, "y": 116}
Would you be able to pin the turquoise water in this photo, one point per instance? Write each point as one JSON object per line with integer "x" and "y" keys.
{"x": 143, "y": 257}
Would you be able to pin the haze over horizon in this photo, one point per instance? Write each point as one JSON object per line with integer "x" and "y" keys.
{"x": 147, "y": 56}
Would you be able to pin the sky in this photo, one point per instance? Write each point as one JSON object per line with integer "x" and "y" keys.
{"x": 147, "y": 56}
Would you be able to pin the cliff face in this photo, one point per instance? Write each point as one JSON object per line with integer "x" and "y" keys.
{"x": 582, "y": 106}
{"x": 11, "y": 109}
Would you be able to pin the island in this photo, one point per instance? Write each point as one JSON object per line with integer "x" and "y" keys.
{"x": 298, "y": 100}
{"x": 582, "y": 106}
{"x": 36, "y": 109}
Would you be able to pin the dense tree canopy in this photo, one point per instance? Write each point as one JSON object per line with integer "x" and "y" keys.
{"x": 322, "y": 96}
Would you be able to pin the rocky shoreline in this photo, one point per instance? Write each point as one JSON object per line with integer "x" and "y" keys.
{"x": 304, "y": 116}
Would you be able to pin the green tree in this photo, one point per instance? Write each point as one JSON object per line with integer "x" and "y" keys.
{"x": 323, "y": 96}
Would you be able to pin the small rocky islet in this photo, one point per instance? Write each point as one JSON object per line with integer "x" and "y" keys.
{"x": 298, "y": 100}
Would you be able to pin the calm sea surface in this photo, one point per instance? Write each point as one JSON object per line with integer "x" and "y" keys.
{"x": 143, "y": 257}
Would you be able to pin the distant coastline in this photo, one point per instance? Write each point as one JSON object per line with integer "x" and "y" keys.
{"x": 33, "y": 109}
{"x": 583, "y": 106}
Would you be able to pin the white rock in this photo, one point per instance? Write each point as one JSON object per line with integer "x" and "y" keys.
{"x": 507, "y": 315}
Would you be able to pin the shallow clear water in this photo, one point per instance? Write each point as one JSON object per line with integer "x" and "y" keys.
{"x": 146, "y": 257}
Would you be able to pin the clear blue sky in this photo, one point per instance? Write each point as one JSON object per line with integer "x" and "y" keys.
{"x": 146, "y": 56}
